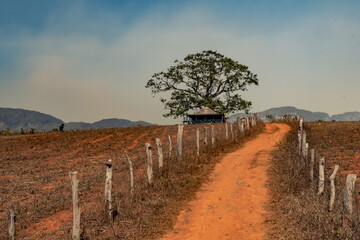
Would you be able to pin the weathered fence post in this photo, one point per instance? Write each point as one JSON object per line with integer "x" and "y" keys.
{"x": 348, "y": 193}
{"x": 247, "y": 123}
{"x": 149, "y": 169}
{"x": 299, "y": 141}
{"x": 197, "y": 142}
{"x": 108, "y": 185}
{"x": 226, "y": 132}
{"x": 212, "y": 136}
{"x": 232, "y": 131}
{"x": 205, "y": 136}
{"x": 76, "y": 206}
{"x": 170, "y": 145}
{"x": 312, "y": 157}
{"x": 301, "y": 124}
{"x": 11, "y": 227}
{"x": 131, "y": 175}
{"x": 243, "y": 124}
{"x": 321, "y": 175}
{"x": 238, "y": 120}
{"x": 332, "y": 188}
{"x": 252, "y": 121}
{"x": 306, "y": 152}
{"x": 160, "y": 153}
{"x": 303, "y": 144}
{"x": 180, "y": 142}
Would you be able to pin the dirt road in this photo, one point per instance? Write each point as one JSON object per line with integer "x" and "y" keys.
{"x": 232, "y": 204}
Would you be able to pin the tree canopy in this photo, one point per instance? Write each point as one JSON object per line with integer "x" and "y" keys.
{"x": 205, "y": 79}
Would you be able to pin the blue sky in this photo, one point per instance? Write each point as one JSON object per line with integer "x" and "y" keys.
{"x": 88, "y": 60}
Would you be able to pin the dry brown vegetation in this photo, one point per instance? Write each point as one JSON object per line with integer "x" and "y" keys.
{"x": 298, "y": 212}
{"x": 34, "y": 177}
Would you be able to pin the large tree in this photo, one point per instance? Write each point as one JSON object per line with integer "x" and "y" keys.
{"x": 206, "y": 79}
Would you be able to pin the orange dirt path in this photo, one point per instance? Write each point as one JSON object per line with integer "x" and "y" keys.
{"x": 232, "y": 204}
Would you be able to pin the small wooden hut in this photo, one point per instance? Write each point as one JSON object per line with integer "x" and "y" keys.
{"x": 205, "y": 115}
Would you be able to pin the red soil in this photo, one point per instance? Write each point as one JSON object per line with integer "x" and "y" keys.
{"x": 50, "y": 224}
{"x": 102, "y": 139}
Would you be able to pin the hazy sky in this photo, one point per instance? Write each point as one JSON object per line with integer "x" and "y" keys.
{"x": 89, "y": 60}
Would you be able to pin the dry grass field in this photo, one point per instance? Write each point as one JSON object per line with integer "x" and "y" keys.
{"x": 298, "y": 211}
{"x": 34, "y": 178}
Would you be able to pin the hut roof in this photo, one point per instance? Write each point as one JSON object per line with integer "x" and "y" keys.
{"x": 205, "y": 111}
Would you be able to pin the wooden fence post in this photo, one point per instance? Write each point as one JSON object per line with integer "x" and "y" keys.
{"x": 131, "y": 175}
{"x": 149, "y": 169}
{"x": 332, "y": 188}
{"x": 226, "y": 132}
{"x": 348, "y": 193}
{"x": 301, "y": 124}
{"x": 160, "y": 153}
{"x": 303, "y": 144}
{"x": 11, "y": 227}
{"x": 197, "y": 142}
{"x": 170, "y": 145}
{"x": 238, "y": 120}
{"x": 180, "y": 142}
{"x": 299, "y": 141}
{"x": 243, "y": 124}
{"x": 312, "y": 157}
{"x": 108, "y": 185}
{"x": 205, "y": 136}
{"x": 306, "y": 152}
{"x": 321, "y": 175}
{"x": 212, "y": 136}
{"x": 76, "y": 206}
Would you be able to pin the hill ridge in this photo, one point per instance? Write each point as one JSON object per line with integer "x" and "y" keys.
{"x": 308, "y": 116}
{"x": 17, "y": 118}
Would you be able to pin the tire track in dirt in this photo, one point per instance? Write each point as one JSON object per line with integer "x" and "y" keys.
{"x": 232, "y": 204}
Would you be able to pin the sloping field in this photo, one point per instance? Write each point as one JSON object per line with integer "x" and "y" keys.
{"x": 301, "y": 212}
{"x": 34, "y": 178}
{"x": 338, "y": 143}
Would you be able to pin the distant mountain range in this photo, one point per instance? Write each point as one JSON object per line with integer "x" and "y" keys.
{"x": 17, "y": 119}
{"x": 307, "y": 115}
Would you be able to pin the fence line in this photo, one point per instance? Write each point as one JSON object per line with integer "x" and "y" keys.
{"x": 243, "y": 126}
{"x": 303, "y": 148}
